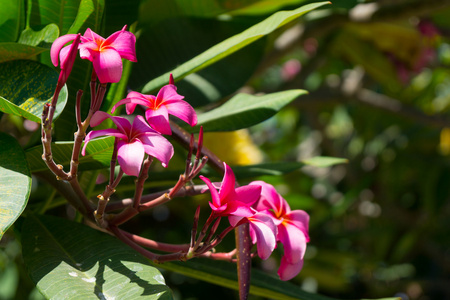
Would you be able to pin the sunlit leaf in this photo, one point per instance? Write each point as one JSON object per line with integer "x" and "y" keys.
{"x": 25, "y": 86}
{"x": 69, "y": 260}
{"x": 324, "y": 161}
{"x": 15, "y": 181}
{"x": 33, "y": 38}
{"x": 232, "y": 44}
{"x": 98, "y": 155}
{"x": 244, "y": 110}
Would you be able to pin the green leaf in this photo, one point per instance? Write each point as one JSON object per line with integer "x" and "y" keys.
{"x": 12, "y": 51}
{"x": 33, "y": 38}
{"x": 98, "y": 155}
{"x": 10, "y": 12}
{"x": 231, "y": 45}
{"x": 69, "y": 260}
{"x": 224, "y": 274}
{"x": 244, "y": 110}
{"x": 26, "y": 86}
{"x": 273, "y": 169}
{"x": 196, "y": 35}
{"x": 264, "y": 7}
{"x": 89, "y": 14}
{"x": 61, "y": 13}
{"x": 15, "y": 181}
{"x": 324, "y": 161}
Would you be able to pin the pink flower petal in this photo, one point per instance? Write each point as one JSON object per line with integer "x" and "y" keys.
{"x": 157, "y": 146}
{"x": 159, "y": 119}
{"x": 108, "y": 66}
{"x": 123, "y": 125}
{"x": 57, "y": 45}
{"x": 271, "y": 199}
{"x": 214, "y": 193}
{"x": 228, "y": 183}
{"x": 168, "y": 92}
{"x": 96, "y": 133}
{"x": 264, "y": 231}
{"x": 88, "y": 50}
{"x": 248, "y": 194}
{"x": 287, "y": 270}
{"x": 123, "y": 42}
{"x": 294, "y": 242}
{"x": 130, "y": 156}
{"x": 92, "y": 36}
{"x": 182, "y": 110}
{"x": 299, "y": 219}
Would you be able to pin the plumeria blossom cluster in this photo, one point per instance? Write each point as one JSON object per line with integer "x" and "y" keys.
{"x": 139, "y": 141}
{"x": 269, "y": 215}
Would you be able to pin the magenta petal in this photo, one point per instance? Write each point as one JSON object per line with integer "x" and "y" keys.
{"x": 263, "y": 229}
{"x": 181, "y": 109}
{"x": 96, "y": 133}
{"x": 88, "y": 50}
{"x": 141, "y": 127}
{"x": 92, "y": 36}
{"x": 287, "y": 270}
{"x": 300, "y": 219}
{"x": 236, "y": 208}
{"x": 157, "y": 146}
{"x": 294, "y": 242}
{"x": 248, "y": 194}
{"x": 124, "y": 42}
{"x": 228, "y": 183}
{"x": 130, "y": 156}
{"x": 57, "y": 46}
{"x": 214, "y": 194}
{"x": 108, "y": 66}
{"x": 271, "y": 199}
{"x": 159, "y": 119}
{"x": 168, "y": 92}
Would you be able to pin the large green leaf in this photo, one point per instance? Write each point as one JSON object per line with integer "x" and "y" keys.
{"x": 15, "y": 181}
{"x": 11, "y": 51}
{"x": 224, "y": 274}
{"x": 68, "y": 260}
{"x": 61, "y": 13}
{"x": 10, "y": 12}
{"x": 25, "y": 86}
{"x": 244, "y": 110}
{"x": 98, "y": 155}
{"x": 231, "y": 45}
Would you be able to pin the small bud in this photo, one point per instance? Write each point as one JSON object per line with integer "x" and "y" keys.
{"x": 171, "y": 81}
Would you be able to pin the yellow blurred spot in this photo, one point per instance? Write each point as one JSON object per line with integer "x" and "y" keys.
{"x": 234, "y": 147}
{"x": 445, "y": 141}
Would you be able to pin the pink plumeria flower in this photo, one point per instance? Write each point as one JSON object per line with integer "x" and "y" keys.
{"x": 292, "y": 228}
{"x": 105, "y": 54}
{"x": 230, "y": 201}
{"x": 235, "y": 203}
{"x": 167, "y": 102}
{"x": 134, "y": 141}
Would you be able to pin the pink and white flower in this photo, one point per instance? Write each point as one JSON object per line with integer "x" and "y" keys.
{"x": 167, "y": 102}
{"x": 134, "y": 141}
{"x": 292, "y": 227}
{"x": 105, "y": 54}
